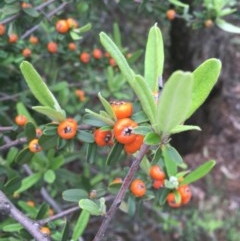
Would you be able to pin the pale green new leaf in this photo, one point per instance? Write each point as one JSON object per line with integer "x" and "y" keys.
{"x": 228, "y": 27}
{"x": 154, "y": 58}
{"x": 181, "y": 128}
{"x": 116, "y": 54}
{"x": 145, "y": 97}
{"x": 174, "y": 102}
{"x": 205, "y": 77}
{"x": 100, "y": 117}
{"x": 52, "y": 114}
{"x": 107, "y": 106}
{"x": 38, "y": 87}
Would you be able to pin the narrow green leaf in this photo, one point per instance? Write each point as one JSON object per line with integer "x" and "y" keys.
{"x": 12, "y": 185}
{"x": 65, "y": 231}
{"x": 11, "y": 156}
{"x": 81, "y": 225}
{"x": 92, "y": 120}
{"x": 163, "y": 192}
{"x": 179, "y": 3}
{"x": 174, "y": 101}
{"x": 85, "y": 136}
{"x": 139, "y": 117}
{"x": 83, "y": 29}
{"x": 198, "y": 173}
{"x": 117, "y": 35}
{"x": 107, "y": 106}
{"x": 90, "y": 206}
{"x": 116, "y": 54}
{"x": 106, "y": 120}
{"x": 169, "y": 162}
{"x": 145, "y": 97}
{"x": 91, "y": 152}
{"x": 115, "y": 153}
{"x": 30, "y": 131}
{"x": 182, "y": 128}
{"x": 52, "y": 114}
{"x": 38, "y": 87}
{"x": 24, "y": 156}
{"x": 29, "y": 181}
{"x": 154, "y": 58}
{"x": 131, "y": 205}
{"x": 43, "y": 211}
{"x": 205, "y": 77}
{"x": 74, "y": 195}
{"x": 173, "y": 154}
{"x": 142, "y": 130}
{"x": 12, "y": 227}
{"x": 228, "y": 27}
{"x": 31, "y": 12}
{"x": 48, "y": 142}
{"x": 145, "y": 165}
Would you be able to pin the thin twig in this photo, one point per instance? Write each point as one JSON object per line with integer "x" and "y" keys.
{"x": 8, "y": 209}
{"x": 7, "y": 128}
{"x": 59, "y": 215}
{"x": 13, "y": 143}
{"x": 117, "y": 201}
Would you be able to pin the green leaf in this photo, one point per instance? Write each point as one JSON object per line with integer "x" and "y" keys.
{"x": 145, "y": 97}
{"x": 85, "y": 136}
{"x": 117, "y": 35}
{"x": 115, "y": 154}
{"x": 145, "y": 165}
{"x": 43, "y": 211}
{"x": 205, "y": 77}
{"x": 65, "y": 231}
{"x": 116, "y": 54}
{"x": 48, "y": 142}
{"x": 81, "y": 225}
{"x": 131, "y": 205}
{"x": 38, "y": 87}
{"x": 52, "y": 114}
{"x": 11, "y": 156}
{"x": 107, "y": 106}
{"x": 228, "y": 27}
{"x": 75, "y": 36}
{"x": 91, "y": 152}
{"x": 139, "y": 117}
{"x": 29, "y": 181}
{"x": 152, "y": 139}
{"x": 24, "y": 156}
{"x": 90, "y": 206}
{"x": 31, "y": 12}
{"x": 182, "y": 128}
{"x": 198, "y": 173}
{"x": 173, "y": 155}
{"x": 74, "y": 195}
{"x": 154, "y": 58}
{"x": 142, "y": 130}
{"x": 170, "y": 163}
{"x": 30, "y": 131}
{"x": 49, "y": 176}
{"x": 179, "y": 3}
{"x": 90, "y": 120}
{"x": 104, "y": 119}
{"x": 15, "y": 227}
{"x": 83, "y": 29}
{"x": 174, "y": 101}
{"x": 162, "y": 195}
{"x": 12, "y": 185}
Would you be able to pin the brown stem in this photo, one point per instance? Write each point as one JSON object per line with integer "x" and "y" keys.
{"x": 13, "y": 143}
{"x": 8, "y": 209}
{"x": 117, "y": 201}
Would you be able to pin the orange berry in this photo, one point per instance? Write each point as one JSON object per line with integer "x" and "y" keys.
{"x": 97, "y": 53}
{"x": 103, "y": 137}
{"x": 45, "y": 230}
{"x": 52, "y": 47}
{"x": 33, "y": 146}
{"x": 138, "y": 188}
{"x": 72, "y": 46}
{"x": 172, "y": 201}
{"x": 2, "y": 29}
{"x": 158, "y": 184}
{"x": 122, "y": 109}
{"x": 12, "y": 38}
{"x": 67, "y": 129}
{"x": 171, "y": 14}
{"x": 50, "y": 212}
{"x": 72, "y": 23}
{"x": 117, "y": 180}
{"x": 26, "y": 5}
{"x": 31, "y": 203}
{"x": 62, "y": 26}
{"x": 185, "y": 193}
{"x": 33, "y": 39}
{"x": 135, "y": 145}
{"x": 85, "y": 57}
{"x": 156, "y": 173}
{"x": 80, "y": 94}
{"x": 208, "y": 23}
{"x": 26, "y": 52}
{"x": 38, "y": 132}
{"x": 112, "y": 62}
{"x": 21, "y": 120}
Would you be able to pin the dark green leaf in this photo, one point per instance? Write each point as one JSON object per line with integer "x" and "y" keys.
{"x": 198, "y": 173}
{"x": 43, "y": 212}
{"x": 74, "y": 195}
{"x": 139, "y": 117}
{"x": 12, "y": 227}
{"x": 12, "y": 185}
{"x": 11, "y": 156}
{"x": 65, "y": 232}
{"x": 48, "y": 142}
{"x": 30, "y": 131}
{"x": 114, "y": 154}
{"x": 24, "y": 156}
{"x": 91, "y": 152}
{"x": 131, "y": 205}
{"x": 31, "y": 12}
{"x": 85, "y": 136}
